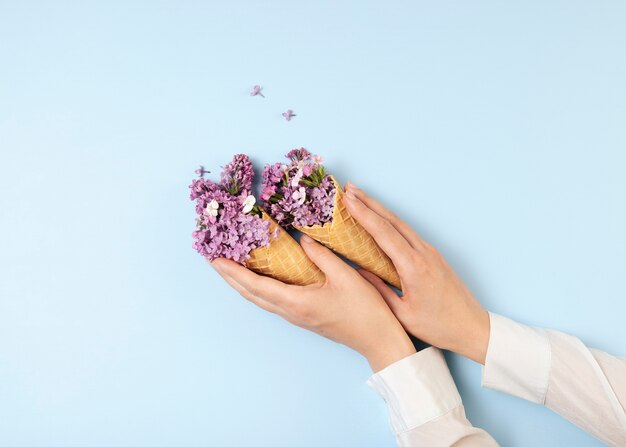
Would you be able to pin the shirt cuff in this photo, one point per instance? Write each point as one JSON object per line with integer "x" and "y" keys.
{"x": 518, "y": 359}
{"x": 417, "y": 389}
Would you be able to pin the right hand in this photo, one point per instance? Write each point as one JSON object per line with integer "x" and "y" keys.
{"x": 345, "y": 308}
{"x": 436, "y": 306}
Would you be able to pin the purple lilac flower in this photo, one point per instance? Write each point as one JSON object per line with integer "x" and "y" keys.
{"x": 225, "y": 230}
{"x": 299, "y": 193}
{"x": 256, "y": 91}
{"x": 289, "y": 114}
{"x": 201, "y": 171}
{"x": 237, "y": 175}
{"x": 273, "y": 173}
{"x": 268, "y": 192}
{"x": 299, "y": 155}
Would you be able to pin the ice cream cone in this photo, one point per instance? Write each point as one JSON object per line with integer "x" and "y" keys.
{"x": 348, "y": 238}
{"x": 283, "y": 259}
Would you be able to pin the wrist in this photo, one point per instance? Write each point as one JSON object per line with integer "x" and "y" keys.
{"x": 393, "y": 350}
{"x": 474, "y": 341}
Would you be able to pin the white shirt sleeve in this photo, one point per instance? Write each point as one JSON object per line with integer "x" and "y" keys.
{"x": 585, "y": 386}
{"x": 425, "y": 408}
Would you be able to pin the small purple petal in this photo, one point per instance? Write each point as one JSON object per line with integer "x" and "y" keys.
{"x": 256, "y": 91}
{"x": 289, "y": 114}
{"x": 201, "y": 171}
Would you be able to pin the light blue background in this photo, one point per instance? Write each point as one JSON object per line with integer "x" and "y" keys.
{"x": 497, "y": 129}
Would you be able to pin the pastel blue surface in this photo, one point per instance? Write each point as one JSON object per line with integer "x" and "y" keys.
{"x": 497, "y": 129}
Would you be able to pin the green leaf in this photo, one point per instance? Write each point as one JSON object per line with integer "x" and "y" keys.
{"x": 308, "y": 182}
{"x": 276, "y": 198}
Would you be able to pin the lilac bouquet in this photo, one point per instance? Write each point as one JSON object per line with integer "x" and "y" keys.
{"x": 299, "y": 193}
{"x": 229, "y": 222}
{"x": 302, "y": 195}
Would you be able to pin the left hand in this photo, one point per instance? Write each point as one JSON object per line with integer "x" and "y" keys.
{"x": 346, "y": 308}
{"x": 436, "y": 306}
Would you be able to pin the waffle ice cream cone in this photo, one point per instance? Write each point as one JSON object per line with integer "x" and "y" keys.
{"x": 348, "y": 238}
{"x": 283, "y": 259}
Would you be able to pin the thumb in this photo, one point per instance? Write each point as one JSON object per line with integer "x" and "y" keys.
{"x": 393, "y": 300}
{"x": 327, "y": 261}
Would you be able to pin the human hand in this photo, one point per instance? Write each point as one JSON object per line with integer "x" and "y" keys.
{"x": 436, "y": 306}
{"x": 346, "y": 308}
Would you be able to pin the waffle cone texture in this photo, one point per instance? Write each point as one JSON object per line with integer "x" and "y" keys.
{"x": 283, "y": 259}
{"x": 347, "y": 237}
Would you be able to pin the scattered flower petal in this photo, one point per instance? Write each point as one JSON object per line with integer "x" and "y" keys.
{"x": 201, "y": 171}
{"x": 289, "y": 114}
{"x": 256, "y": 91}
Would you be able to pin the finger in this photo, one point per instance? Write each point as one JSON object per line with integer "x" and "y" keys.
{"x": 327, "y": 261}
{"x": 269, "y": 289}
{"x": 265, "y": 305}
{"x": 403, "y": 228}
{"x": 384, "y": 233}
{"x": 393, "y": 301}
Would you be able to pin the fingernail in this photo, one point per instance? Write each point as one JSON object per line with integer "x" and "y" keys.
{"x": 306, "y": 239}
{"x": 350, "y": 196}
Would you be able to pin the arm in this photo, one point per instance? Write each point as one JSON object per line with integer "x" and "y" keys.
{"x": 345, "y": 308}
{"x": 586, "y": 386}
{"x": 425, "y": 406}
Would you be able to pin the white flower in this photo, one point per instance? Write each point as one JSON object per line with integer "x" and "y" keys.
{"x": 211, "y": 208}
{"x": 296, "y": 178}
{"x": 248, "y": 203}
{"x": 284, "y": 167}
{"x": 317, "y": 159}
{"x": 299, "y": 195}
